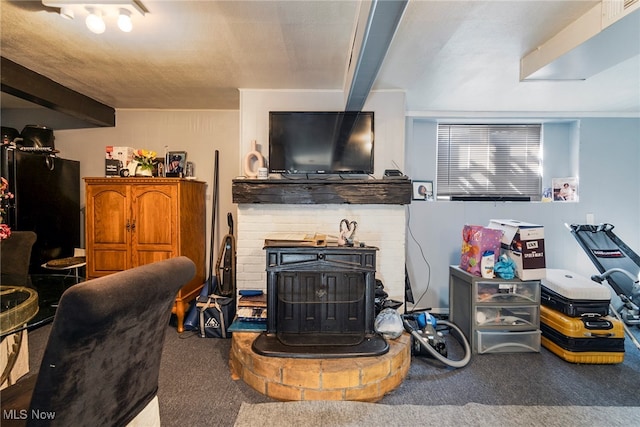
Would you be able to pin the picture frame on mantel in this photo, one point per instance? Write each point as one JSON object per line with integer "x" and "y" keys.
{"x": 423, "y": 190}
{"x": 175, "y": 163}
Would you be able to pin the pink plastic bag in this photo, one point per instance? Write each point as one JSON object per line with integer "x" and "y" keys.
{"x": 477, "y": 240}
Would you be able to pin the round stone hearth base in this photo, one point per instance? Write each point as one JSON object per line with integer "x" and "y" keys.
{"x": 365, "y": 379}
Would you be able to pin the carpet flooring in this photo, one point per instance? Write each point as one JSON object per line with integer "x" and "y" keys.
{"x": 196, "y": 388}
{"x": 352, "y": 414}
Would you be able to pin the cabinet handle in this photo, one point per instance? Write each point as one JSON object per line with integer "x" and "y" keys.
{"x": 320, "y": 256}
{"x": 128, "y": 226}
{"x": 133, "y": 225}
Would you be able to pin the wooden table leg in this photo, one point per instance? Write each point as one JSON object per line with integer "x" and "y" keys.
{"x": 179, "y": 310}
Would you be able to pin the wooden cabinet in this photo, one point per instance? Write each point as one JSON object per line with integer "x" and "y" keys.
{"x": 136, "y": 221}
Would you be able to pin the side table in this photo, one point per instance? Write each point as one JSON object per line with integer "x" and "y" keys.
{"x": 19, "y": 305}
{"x": 77, "y": 261}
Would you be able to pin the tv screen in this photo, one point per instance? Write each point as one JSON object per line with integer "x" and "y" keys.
{"x": 321, "y": 142}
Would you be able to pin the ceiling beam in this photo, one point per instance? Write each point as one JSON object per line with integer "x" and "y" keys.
{"x": 38, "y": 89}
{"x": 377, "y": 24}
{"x": 596, "y": 41}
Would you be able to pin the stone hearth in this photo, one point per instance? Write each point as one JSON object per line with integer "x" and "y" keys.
{"x": 365, "y": 379}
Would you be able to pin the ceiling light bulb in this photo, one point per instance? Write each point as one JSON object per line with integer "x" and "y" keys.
{"x": 67, "y": 12}
{"x": 94, "y": 21}
{"x": 124, "y": 21}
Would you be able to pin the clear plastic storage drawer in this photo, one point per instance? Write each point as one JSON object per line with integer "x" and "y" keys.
{"x": 507, "y": 342}
{"x": 501, "y": 292}
{"x": 511, "y": 317}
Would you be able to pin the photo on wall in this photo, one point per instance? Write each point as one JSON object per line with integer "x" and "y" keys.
{"x": 565, "y": 189}
{"x": 423, "y": 190}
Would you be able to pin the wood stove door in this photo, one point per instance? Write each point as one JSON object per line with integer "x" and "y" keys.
{"x": 321, "y": 307}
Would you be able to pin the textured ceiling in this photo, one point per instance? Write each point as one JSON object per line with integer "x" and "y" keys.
{"x": 447, "y": 55}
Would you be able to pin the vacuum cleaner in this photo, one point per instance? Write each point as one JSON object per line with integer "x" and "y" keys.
{"x": 428, "y": 338}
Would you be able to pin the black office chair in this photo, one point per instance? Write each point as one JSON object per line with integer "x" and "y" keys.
{"x": 102, "y": 361}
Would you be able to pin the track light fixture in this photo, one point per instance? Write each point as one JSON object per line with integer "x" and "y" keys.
{"x": 124, "y": 21}
{"x": 94, "y": 21}
{"x": 100, "y": 10}
{"x": 67, "y": 12}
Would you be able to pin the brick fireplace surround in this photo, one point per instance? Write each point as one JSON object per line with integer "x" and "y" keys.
{"x": 360, "y": 378}
{"x": 364, "y": 379}
{"x": 382, "y": 226}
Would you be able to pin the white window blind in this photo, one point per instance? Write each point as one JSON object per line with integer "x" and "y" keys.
{"x": 489, "y": 162}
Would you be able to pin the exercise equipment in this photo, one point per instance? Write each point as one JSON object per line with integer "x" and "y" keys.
{"x": 618, "y": 264}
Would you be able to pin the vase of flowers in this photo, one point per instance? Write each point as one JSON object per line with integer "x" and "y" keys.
{"x": 146, "y": 160}
{"x": 5, "y": 196}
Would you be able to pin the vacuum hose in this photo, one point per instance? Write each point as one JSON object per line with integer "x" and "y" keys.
{"x": 425, "y": 344}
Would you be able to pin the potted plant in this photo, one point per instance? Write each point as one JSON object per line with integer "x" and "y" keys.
{"x": 145, "y": 160}
{"x": 5, "y": 195}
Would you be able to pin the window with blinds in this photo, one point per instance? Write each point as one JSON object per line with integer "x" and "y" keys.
{"x": 489, "y": 162}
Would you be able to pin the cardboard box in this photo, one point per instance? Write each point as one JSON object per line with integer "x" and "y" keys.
{"x": 116, "y": 159}
{"x": 112, "y": 167}
{"x": 124, "y": 154}
{"x": 523, "y": 242}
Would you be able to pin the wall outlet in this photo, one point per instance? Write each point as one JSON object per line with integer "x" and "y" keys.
{"x": 590, "y": 219}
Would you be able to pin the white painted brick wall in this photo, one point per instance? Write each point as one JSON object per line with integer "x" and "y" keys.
{"x": 382, "y": 226}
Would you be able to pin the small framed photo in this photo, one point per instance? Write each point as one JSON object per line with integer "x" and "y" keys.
{"x": 158, "y": 167}
{"x": 175, "y": 163}
{"x": 565, "y": 189}
{"x": 423, "y": 190}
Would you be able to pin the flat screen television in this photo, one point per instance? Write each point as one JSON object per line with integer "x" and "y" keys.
{"x": 321, "y": 142}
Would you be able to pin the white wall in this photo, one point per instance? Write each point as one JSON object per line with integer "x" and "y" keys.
{"x": 199, "y": 133}
{"x": 608, "y": 155}
{"x": 382, "y": 226}
{"x": 378, "y": 225}
{"x": 388, "y": 107}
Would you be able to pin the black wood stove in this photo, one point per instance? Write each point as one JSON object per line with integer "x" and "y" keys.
{"x": 320, "y": 302}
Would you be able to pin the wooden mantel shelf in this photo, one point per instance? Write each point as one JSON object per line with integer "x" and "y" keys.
{"x": 323, "y": 191}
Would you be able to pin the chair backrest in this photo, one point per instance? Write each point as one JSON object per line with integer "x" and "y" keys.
{"x": 15, "y": 255}
{"x": 102, "y": 360}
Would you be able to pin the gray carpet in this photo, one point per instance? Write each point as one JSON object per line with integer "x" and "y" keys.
{"x": 196, "y": 388}
{"x": 343, "y": 414}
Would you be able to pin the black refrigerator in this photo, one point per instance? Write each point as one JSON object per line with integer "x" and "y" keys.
{"x": 46, "y": 200}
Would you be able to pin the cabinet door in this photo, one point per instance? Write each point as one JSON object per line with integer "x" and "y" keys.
{"x": 108, "y": 229}
{"x": 154, "y": 234}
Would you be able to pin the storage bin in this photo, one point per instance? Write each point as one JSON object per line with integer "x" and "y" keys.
{"x": 511, "y": 317}
{"x": 508, "y": 292}
{"x": 508, "y": 342}
{"x": 479, "y": 305}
